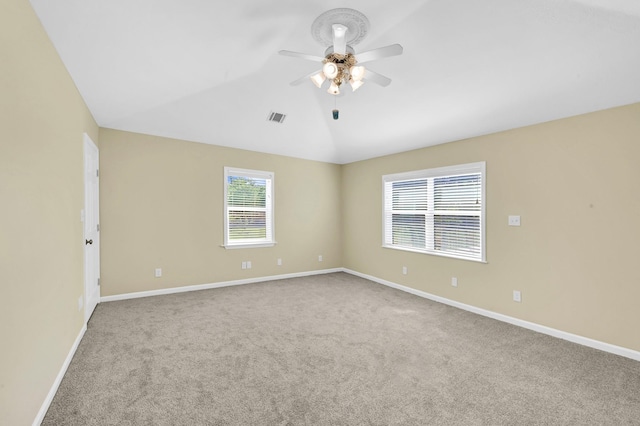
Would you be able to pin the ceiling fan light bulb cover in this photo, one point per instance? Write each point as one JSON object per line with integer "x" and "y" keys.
{"x": 318, "y": 79}
{"x": 334, "y": 89}
{"x": 330, "y": 70}
{"x": 357, "y": 72}
{"x": 356, "y": 84}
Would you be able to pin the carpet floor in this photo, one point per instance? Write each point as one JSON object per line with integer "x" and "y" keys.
{"x": 331, "y": 349}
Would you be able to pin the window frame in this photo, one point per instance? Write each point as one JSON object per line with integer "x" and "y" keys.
{"x": 269, "y": 177}
{"x": 432, "y": 173}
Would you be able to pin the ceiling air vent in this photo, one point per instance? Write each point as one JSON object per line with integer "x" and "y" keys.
{"x": 276, "y": 117}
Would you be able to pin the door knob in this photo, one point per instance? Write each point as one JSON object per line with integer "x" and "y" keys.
{"x": 88, "y": 242}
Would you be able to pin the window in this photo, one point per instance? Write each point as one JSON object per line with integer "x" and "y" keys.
{"x": 436, "y": 211}
{"x": 248, "y": 215}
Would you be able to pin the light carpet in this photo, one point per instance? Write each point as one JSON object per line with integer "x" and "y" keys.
{"x": 331, "y": 349}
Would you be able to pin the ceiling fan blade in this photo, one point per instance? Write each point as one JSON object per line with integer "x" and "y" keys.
{"x": 303, "y": 79}
{"x": 376, "y": 78}
{"x": 301, "y": 55}
{"x": 339, "y": 39}
{"x": 379, "y": 53}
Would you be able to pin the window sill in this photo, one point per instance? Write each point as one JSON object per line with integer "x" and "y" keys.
{"x": 449, "y": 256}
{"x": 247, "y": 245}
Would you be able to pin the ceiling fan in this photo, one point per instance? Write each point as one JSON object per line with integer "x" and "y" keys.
{"x": 340, "y": 29}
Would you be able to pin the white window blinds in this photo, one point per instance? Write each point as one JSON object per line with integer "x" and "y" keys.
{"x": 437, "y": 211}
{"x": 248, "y": 207}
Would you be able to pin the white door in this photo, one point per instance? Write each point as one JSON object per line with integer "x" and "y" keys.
{"x": 91, "y": 227}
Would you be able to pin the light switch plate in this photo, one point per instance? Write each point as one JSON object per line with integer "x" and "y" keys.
{"x": 517, "y": 296}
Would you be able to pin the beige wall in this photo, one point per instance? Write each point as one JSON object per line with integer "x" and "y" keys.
{"x": 42, "y": 119}
{"x": 161, "y": 206}
{"x": 575, "y": 258}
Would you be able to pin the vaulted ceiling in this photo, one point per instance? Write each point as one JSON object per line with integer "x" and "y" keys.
{"x": 209, "y": 71}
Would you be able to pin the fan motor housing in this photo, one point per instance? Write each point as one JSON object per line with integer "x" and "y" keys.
{"x": 330, "y": 51}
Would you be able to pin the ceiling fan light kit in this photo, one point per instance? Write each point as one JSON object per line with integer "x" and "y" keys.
{"x": 340, "y": 29}
{"x": 340, "y": 68}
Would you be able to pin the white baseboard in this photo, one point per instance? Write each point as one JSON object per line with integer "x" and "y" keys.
{"x": 56, "y": 384}
{"x": 173, "y": 290}
{"x": 585, "y": 341}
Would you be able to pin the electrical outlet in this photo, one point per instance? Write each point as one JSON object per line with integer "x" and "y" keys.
{"x": 454, "y": 281}
{"x": 517, "y": 297}
{"x": 320, "y": 258}
{"x": 244, "y": 265}
{"x": 514, "y": 220}
{"x": 279, "y": 262}
{"x": 248, "y": 264}
{"x": 158, "y": 272}
{"x": 405, "y": 271}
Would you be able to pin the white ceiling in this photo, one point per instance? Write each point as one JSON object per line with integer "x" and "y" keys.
{"x": 209, "y": 71}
